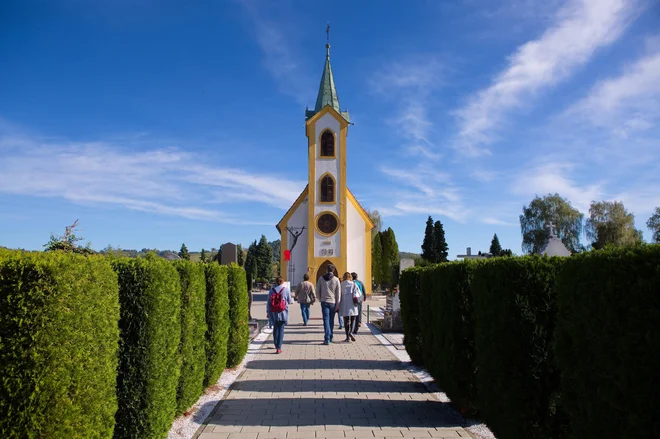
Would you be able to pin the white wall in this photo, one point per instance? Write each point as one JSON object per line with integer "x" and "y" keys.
{"x": 356, "y": 258}
{"x": 299, "y": 254}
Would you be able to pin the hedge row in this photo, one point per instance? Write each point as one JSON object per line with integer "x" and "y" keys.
{"x": 99, "y": 347}
{"x": 544, "y": 347}
{"x": 409, "y": 285}
{"x": 58, "y": 345}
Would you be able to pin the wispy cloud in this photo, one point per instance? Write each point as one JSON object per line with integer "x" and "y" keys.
{"x": 164, "y": 181}
{"x": 579, "y": 29}
{"x": 498, "y": 222}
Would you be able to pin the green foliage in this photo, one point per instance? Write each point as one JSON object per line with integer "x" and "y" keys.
{"x": 58, "y": 345}
{"x": 239, "y": 331}
{"x": 67, "y": 242}
{"x": 377, "y": 259}
{"x": 515, "y": 312}
{"x": 240, "y": 255}
{"x": 610, "y": 223}
{"x": 409, "y": 292}
{"x": 203, "y": 256}
{"x": 554, "y": 209}
{"x": 149, "y": 362}
{"x": 440, "y": 248}
{"x": 183, "y": 253}
{"x": 495, "y": 247}
{"x": 390, "y": 256}
{"x": 607, "y": 342}
{"x": 374, "y": 215}
{"x": 276, "y": 247}
{"x": 428, "y": 245}
{"x": 654, "y": 225}
{"x": 264, "y": 258}
{"x": 217, "y": 322}
{"x": 251, "y": 260}
{"x": 447, "y": 307}
{"x": 193, "y": 330}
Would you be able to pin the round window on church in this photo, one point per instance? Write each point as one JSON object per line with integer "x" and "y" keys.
{"x": 327, "y": 223}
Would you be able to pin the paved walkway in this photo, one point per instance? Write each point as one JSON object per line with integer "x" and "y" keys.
{"x": 344, "y": 390}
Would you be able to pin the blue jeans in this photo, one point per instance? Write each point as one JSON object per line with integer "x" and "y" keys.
{"x": 328, "y": 310}
{"x": 341, "y": 321}
{"x": 278, "y": 334}
{"x": 358, "y": 320}
{"x": 304, "y": 309}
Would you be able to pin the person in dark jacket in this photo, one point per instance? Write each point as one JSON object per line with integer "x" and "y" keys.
{"x": 328, "y": 290}
{"x": 363, "y": 293}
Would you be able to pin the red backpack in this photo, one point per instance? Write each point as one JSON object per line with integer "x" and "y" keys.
{"x": 277, "y": 303}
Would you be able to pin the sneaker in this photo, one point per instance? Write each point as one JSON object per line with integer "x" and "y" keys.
{"x": 279, "y": 351}
{"x": 348, "y": 340}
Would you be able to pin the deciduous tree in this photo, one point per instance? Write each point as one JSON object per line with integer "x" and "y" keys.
{"x": 654, "y": 225}
{"x": 550, "y": 208}
{"x": 610, "y": 223}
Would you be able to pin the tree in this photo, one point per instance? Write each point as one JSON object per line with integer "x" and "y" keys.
{"x": 654, "y": 225}
{"x": 610, "y": 223}
{"x": 203, "y": 256}
{"x": 376, "y": 259}
{"x": 183, "y": 253}
{"x": 557, "y": 210}
{"x": 440, "y": 249}
{"x": 390, "y": 255}
{"x": 251, "y": 260}
{"x": 217, "y": 257}
{"x": 495, "y": 247}
{"x": 240, "y": 257}
{"x": 264, "y": 259}
{"x": 374, "y": 215}
{"x": 67, "y": 242}
{"x": 428, "y": 248}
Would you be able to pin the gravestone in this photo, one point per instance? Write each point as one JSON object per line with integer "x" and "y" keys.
{"x": 406, "y": 263}
{"x": 229, "y": 254}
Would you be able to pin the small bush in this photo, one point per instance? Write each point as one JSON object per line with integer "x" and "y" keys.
{"x": 239, "y": 331}
{"x": 217, "y": 322}
{"x": 193, "y": 331}
{"x": 446, "y": 307}
{"x": 58, "y": 345}
{"x": 608, "y": 343}
{"x": 409, "y": 292}
{"x": 515, "y": 312}
{"x": 149, "y": 364}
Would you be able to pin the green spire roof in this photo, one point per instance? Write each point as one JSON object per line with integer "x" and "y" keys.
{"x": 327, "y": 91}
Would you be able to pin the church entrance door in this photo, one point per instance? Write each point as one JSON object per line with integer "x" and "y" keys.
{"x": 323, "y": 269}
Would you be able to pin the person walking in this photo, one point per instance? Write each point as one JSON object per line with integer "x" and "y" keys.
{"x": 329, "y": 293}
{"x": 277, "y": 308}
{"x": 305, "y": 296}
{"x": 363, "y": 294}
{"x": 350, "y": 294}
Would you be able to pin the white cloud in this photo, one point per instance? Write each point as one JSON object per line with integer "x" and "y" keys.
{"x": 497, "y": 222}
{"x": 165, "y": 181}
{"x": 580, "y": 28}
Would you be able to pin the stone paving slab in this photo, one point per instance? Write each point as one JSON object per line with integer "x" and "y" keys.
{"x": 344, "y": 390}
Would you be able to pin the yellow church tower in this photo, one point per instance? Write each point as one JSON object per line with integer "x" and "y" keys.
{"x": 326, "y": 224}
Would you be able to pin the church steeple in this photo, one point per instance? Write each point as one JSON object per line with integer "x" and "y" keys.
{"x": 327, "y": 91}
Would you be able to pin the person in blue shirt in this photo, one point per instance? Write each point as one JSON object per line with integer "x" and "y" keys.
{"x": 363, "y": 293}
{"x": 279, "y": 318}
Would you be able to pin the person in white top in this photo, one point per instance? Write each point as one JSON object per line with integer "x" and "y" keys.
{"x": 348, "y": 306}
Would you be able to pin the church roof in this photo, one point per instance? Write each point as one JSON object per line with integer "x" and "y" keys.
{"x": 327, "y": 91}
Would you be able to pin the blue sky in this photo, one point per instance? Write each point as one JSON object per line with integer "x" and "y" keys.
{"x": 160, "y": 122}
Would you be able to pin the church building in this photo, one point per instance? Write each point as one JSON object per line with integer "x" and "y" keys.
{"x": 326, "y": 224}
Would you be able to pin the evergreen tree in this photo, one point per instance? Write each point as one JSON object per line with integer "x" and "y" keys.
{"x": 218, "y": 256}
{"x": 428, "y": 248}
{"x": 376, "y": 259}
{"x": 183, "y": 253}
{"x": 495, "y": 247}
{"x": 203, "y": 256}
{"x": 264, "y": 259}
{"x": 251, "y": 260}
{"x": 441, "y": 250}
{"x": 390, "y": 256}
{"x": 240, "y": 257}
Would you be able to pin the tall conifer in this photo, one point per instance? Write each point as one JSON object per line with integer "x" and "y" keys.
{"x": 427, "y": 245}
{"x": 441, "y": 251}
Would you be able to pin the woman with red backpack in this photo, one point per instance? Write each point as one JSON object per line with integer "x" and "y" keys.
{"x": 277, "y": 309}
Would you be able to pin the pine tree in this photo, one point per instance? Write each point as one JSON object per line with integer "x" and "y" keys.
{"x": 264, "y": 259}
{"x": 495, "y": 247}
{"x": 240, "y": 257}
{"x": 203, "y": 256}
{"x": 441, "y": 250}
{"x": 376, "y": 259}
{"x": 427, "y": 246}
{"x": 183, "y": 253}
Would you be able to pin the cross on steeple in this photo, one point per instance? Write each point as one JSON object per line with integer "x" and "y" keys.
{"x": 327, "y": 40}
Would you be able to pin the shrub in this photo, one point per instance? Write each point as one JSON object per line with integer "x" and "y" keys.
{"x": 608, "y": 344}
{"x": 217, "y": 322}
{"x": 149, "y": 365}
{"x": 58, "y": 345}
{"x": 446, "y": 307}
{"x": 515, "y": 312}
{"x": 239, "y": 331}
{"x": 193, "y": 331}
{"x": 409, "y": 292}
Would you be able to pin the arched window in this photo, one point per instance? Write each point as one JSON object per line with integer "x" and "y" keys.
{"x": 327, "y": 144}
{"x": 327, "y": 189}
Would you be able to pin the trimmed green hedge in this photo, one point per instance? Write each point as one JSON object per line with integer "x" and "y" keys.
{"x": 217, "y": 322}
{"x": 149, "y": 362}
{"x": 447, "y": 308}
{"x": 58, "y": 345}
{"x": 608, "y": 342}
{"x": 409, "y": 292}
{"x": 239, "y": 330}
{"x": 515, "y": 312}
{"x": 193, "y": 331}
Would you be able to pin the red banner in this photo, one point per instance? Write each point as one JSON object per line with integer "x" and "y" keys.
{"x": 287, "y": 255}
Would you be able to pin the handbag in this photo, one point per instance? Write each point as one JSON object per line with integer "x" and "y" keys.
{"x": 357, "y": 297}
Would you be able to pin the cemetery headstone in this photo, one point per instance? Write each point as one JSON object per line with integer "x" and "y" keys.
{"x": 229, "y": 254}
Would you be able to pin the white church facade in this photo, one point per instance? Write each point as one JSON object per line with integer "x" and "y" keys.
{"x": 326, "y": 224}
